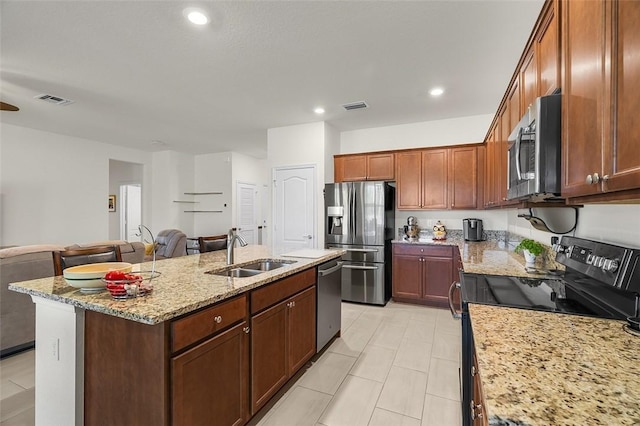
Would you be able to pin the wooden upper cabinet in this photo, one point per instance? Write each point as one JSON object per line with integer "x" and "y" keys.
{"x": 350, "y": 168}
{"x": 514, "y": 105}
{"x": 528, "y": 81}
{"x": 381, "y": 166}
{"x": 622, "y": 159}
{"x": 438, "y": 178}
{"x": 547, "y": 51}
{"x": 463, "y": 178}
{"x": 435, "y": 179}
{"x": 601, "y": 153}
{"x": 358, "y": 167}
{"x": 409, "y": 180}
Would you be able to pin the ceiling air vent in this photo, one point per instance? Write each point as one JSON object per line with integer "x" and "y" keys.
{"x": 355, "y": 105}
{"x": 54, "y": 99}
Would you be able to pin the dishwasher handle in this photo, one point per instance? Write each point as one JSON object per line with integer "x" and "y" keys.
{"x": 325, "y": 272}
{"x": 455, "y": 314}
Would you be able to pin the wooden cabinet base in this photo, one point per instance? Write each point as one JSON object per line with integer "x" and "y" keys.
{"x": 434, "y": 303}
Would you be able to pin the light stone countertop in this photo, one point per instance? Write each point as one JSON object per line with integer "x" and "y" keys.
{"x": 541, "y": 368}
{"x": 490, "y": 257}
{"x": 182, "y": 287}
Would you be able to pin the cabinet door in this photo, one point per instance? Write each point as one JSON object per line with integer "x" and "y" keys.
{"x": 528, "y": 78}
{"x": 583, "y": 102}
{"x": 407, "y": 276}
{"x": 622, "y": 158}
{"x": 463, "y": 183}
{"x": 301, "y": 325}
{"x": 381, "y": 166}
{"x": 438, "y": 276}
{"x": 435, "y": 179}
{"x": 354, "y": 168}
{"x": 409, "y": 180}
{"x": 489, "y": 186}
{"x": 478, "y": 412}
{"x": 210, "y": 381}
{"x": 269, "y": 364}
{"x": 547, "y": 52}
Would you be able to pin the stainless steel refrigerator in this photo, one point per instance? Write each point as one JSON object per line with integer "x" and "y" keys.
{"x": 360, "y": 218}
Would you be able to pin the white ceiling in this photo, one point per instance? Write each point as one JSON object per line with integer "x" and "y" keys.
{"x": 139, "y": 72}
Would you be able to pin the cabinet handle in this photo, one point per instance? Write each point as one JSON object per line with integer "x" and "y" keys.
{"x": 473, "y": 370}
{"x": 246, "y": 330}
{"x": 596, "y": 178}
{"x": 291, "y": 304}
{"x": 217, "y": 319}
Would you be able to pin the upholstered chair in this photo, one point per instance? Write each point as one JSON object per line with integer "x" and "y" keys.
{"x": 171, "y": 243}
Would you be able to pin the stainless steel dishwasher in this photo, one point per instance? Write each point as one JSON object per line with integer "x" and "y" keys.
{"x": 329, "y": 299}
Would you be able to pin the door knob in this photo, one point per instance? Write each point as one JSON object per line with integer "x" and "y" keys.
{"x": 308, "y": 237}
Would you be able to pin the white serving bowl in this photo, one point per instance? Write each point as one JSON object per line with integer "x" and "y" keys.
{"x": 88, "y": 278}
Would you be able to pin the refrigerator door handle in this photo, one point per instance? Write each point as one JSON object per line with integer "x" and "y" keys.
{"x": 368, "y": 268}
{"x": 363, "y": 250}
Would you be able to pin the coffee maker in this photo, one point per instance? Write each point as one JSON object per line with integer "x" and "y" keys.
{"x": 472, "y": 229}
{"x": 411, "y": 230}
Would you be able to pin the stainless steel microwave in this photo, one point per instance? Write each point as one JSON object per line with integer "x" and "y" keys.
{"x": 533, "y": 169}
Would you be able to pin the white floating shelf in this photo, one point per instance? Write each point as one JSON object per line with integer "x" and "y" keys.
{"x": 203, "y": 211}
{"x": 203, "y": 193}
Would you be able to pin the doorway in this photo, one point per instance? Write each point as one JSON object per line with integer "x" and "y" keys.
{"x": 246, "y": 212}
{"x": 294, "y": 208}
{"x": 130, "y": 211}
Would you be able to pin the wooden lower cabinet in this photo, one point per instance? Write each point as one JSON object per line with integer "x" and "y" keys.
{"x": 423, "y": 273}
{"x": 197, "y": 369}
{"x": 210, "y": 381}
{"x": 283, "y": 339}
{"x": 478, "y": 410}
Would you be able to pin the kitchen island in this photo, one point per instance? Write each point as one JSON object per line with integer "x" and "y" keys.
{"x": 118, "y": 361}
{"x": 541, "y": 368}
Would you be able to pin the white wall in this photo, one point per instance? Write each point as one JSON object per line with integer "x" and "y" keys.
{"x": 613, "y": 223}
{"x": 54, "y": 188}
{"x": 212, "y": 174}
{"x": 454, "y": 131}
{"x": 172, "y": 176}
{"x": 303, "y": 144}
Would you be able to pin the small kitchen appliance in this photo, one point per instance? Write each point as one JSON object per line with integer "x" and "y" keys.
{"x": 472, "y": 229}
{"x": 411, "y": 230}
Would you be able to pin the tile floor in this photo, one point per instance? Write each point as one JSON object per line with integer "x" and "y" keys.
{"x": 392, "y": 366}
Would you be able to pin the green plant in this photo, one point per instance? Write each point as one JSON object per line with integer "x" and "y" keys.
{"x": 532, "y": 246}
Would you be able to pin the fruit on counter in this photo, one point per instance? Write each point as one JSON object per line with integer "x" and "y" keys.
{"x": 115, "y": 276}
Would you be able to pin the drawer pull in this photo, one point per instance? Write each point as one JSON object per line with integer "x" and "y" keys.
{"x": 246, "y": 330}
{"x": 217, "y": 319}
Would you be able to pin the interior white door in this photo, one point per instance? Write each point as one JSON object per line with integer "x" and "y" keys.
{"x": 246, "y": 212}
{"x": 294, "y": 212}
{"x": 131, "y": 208}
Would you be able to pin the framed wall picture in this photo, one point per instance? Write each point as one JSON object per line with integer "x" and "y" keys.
{"x": 112, "y": 203}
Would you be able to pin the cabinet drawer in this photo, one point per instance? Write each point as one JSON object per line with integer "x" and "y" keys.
{"x": 422, "y": 250}
{"x": 196, "y": 327}
{"x": 273, "y": 293}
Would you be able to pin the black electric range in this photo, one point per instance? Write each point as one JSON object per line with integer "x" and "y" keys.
{"x": 600, "y": 280}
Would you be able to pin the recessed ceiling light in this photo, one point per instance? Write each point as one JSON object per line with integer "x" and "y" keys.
{"x": 319, "y": 110}
{"x": 196, "y": 16}
{"x": 436, "y": 91}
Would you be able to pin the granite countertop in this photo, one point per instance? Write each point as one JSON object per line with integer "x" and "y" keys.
{"x": 182, "y": 287}
{"x": 490, "y": 257}
{"x": 541, "y": 368}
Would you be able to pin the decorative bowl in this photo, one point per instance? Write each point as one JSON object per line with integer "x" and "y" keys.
{"x": 137, "y": 284}
{"x": 88, "y": 278}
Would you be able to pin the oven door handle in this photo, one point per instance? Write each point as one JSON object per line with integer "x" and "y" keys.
{"x": 454, "y": 285}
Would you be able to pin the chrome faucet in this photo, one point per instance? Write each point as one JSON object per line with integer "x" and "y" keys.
{"x": 231, "y": 241}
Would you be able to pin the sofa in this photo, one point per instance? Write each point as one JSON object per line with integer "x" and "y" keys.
{"x": 23, "y": 263}
{"x": 171, "y": 243}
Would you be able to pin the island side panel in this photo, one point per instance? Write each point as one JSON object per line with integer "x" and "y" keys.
{"x": 126, "y": 371}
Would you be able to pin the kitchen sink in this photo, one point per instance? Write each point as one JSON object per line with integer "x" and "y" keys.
{"x": 236, "y": 272}
{"x": 266, "y": 265}
{"x": 251, "y": 269}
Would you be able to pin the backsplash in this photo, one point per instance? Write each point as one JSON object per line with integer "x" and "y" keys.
{"x": 487, "y": 235}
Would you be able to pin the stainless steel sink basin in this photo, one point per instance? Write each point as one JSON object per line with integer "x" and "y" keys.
{"x": 251, "y": 269}
{"x": 237, "y": 273}
{"x": 265, "y": 265}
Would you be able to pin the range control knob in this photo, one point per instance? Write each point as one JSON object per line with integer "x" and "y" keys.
{"x": 610, "y": 265}
{"x": 558, "y": 248}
